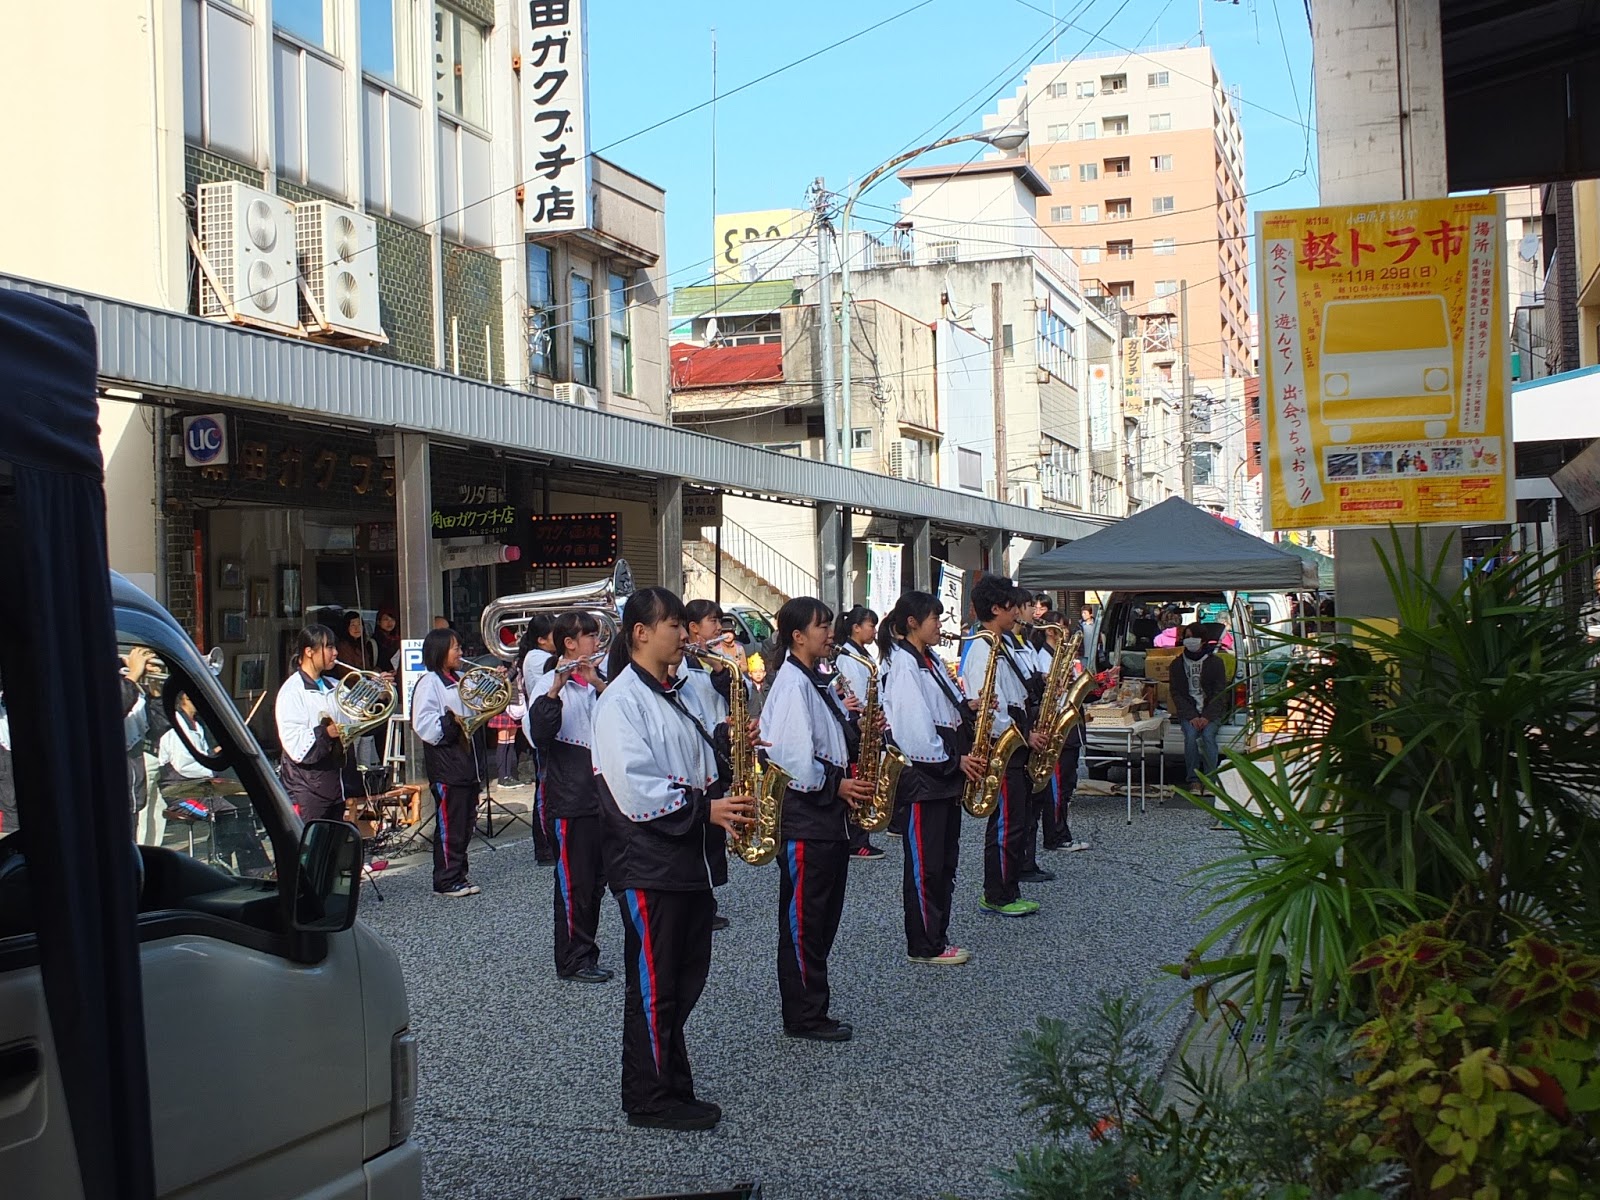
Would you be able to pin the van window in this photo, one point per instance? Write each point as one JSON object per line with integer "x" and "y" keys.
{"x": 1261, "y": 612}
{"x": 185, "y": 793}
{"x": 1357, "y": 328}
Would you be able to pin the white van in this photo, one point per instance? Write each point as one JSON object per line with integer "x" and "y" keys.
{"x": 1410, "y": 381}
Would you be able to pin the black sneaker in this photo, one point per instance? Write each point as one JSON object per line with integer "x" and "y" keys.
{"x": 869, "y": 851}
{"x": 719, "y": 922}
{"x": 838, "y": 1031}
{"x": 677, "y": 1117}
{"x": 590, "y": 975}
{"x": 706, "y": 1106}
{"x": 1037, "y": 875}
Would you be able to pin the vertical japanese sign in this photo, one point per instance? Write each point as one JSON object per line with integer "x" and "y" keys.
{"x": 952, "y": 595}
{"x": 1132, "y": 377}
{"x": 555, "y": 117}
{"x": 1100, "y": 426}
{"x": 883, "y": 576}
{"x": 1386, "y": 369}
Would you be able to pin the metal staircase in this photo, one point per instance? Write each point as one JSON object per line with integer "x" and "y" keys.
{"x": 753, "y": 571}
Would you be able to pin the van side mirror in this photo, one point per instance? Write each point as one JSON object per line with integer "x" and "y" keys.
{"x": 326, "y": 874}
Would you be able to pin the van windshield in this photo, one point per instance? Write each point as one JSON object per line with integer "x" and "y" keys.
{"x": 1364, "y": 326}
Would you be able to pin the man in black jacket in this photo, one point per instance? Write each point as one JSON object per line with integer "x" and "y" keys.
{"x": 1199, "y": 685}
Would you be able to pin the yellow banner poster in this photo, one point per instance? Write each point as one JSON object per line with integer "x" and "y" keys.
{"x": 1386, "y": 366}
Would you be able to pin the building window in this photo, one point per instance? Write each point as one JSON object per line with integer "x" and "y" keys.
{"x": 1162, "y": 204}
{"x": 621, "y": 336}
{"x": 541, "y": 310}
{"x": 1089, "y": 254}
{"x": 1057, "y": 342}
{"x": 389, "y": 42}
{"x": 1061, "y": 214}
{"x": 861, "y": 439}
{"x": 1058, "y": 471}
{"x": 1117, "y": 168}
{"x": 969, "y": 469}
{"x": 1059, "y": 90}
{"x": 582, "y": 330}
{"x": 1119, "y": 250}
{"x": 1164, "y": 246}
{"x": 1089, "y": 129}
{"x": 308, "y": 116}
{"x": 1158, "y": 79}
{"x": 792, "y": 449}
{"x": 1058, "y": 133}
{"x": 1166, "y": 287}
{"x": 1119, "y": 210}
{"x": 1161, "y": 162}
{"x": 1122, "y": 290}
{"x": 1160, "y": 122}
{"x": 314, "y": 22}
{"x": 1088, "y": 172}
{"x": 391, "y": 134}
{"x": 1089, "y": 212}
{"x": 1205, "y": 463}
{"x": 1113, "y": 83}
{"x": 219, "y": 78}
{"x": 1116, "y": 126}
{"x": 458, "y": 66}
{"x": 1086, "y": 89}
{"x": 1255, "y": 453}
{"x": 1060, "y": 172}
{"x": 1008, "y": 342}
{"x": 464, "y": 184}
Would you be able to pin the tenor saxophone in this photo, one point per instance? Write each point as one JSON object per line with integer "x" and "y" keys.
{"x": 880, "y": 764}
{"x": 979, "y": 796}
{"x": 765, "y": 783}
{"x": 1057, "y": 714}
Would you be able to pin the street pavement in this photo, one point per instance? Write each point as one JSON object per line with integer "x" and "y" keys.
{"x": 519, "y": 1090}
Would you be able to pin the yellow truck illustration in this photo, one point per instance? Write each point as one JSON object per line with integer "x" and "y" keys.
{"x": 1389, "y": 361}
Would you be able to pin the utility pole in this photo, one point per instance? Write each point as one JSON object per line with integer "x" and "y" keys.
{"x": 1002, "y": 476}
{"x": 825, "y": 317}
{"x": 1185, "y": 412}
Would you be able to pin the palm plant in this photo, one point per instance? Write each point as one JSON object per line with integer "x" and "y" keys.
{"x": 1446, "y": 762}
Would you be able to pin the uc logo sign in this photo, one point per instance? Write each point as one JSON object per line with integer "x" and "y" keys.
{"x": 205, "y": 442}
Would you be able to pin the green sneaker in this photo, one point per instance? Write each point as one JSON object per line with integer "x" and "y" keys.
{"x": 1017, "y": 908}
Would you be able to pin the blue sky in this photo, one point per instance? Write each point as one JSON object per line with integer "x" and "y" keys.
{"x": 918, "y": 78}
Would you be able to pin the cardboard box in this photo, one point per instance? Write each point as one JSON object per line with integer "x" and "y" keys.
{"x": 1158, "y": 666}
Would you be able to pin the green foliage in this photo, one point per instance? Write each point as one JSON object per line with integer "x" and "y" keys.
{"x": 1448, "y": 762}
{"x": 1482, "y": 1075}
{"x": 1114, "y": 1132}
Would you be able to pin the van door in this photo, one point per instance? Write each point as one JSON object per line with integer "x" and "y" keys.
{"x": 1248, "y": 646}
{"x": 255, "y": 1035}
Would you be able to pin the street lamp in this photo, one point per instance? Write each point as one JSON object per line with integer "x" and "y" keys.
{"x": 1006, "y": 139}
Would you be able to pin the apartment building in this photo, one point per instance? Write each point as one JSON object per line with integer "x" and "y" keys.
{"x": 1144, "y": 158}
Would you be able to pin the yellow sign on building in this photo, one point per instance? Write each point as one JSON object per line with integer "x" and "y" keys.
{"x": 733, "y": 230}
{"x": 1386, "y": 366}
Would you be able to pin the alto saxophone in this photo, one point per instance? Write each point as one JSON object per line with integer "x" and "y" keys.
{"x": 1055, "y": 717}
{"x": 765, "y": 783}
{"x": 979, "y": 796}
{"x": 880, "y": 764}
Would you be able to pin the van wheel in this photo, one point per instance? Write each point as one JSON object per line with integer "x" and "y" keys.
{"x": 1339, "y": 433}
{"x": 1434, "y": 429}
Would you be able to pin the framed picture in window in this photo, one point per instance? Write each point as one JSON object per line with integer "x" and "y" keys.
{"x": 232, "y": 625}
{"x": 230, "y": 573}
{"x": 249, "y": 674}
{"x": 260, "y": 602}
{"x": 289, "y": 592}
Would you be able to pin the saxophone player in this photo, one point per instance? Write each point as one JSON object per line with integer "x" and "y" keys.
{"x": 808, "y": 736}
{"x": 994, "y": 602}
{"x": 707, "y": 682}
{"x": 856, "y": 630}
{"x": 927, "y": 718}
{"x": 656, "y": 767}
{"x": 1064, "y": 776}
{"x": 1033, "y": 656}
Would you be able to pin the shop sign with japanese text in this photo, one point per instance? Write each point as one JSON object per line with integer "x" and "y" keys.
{"x": 572, "y": 540}
{"x": 555, "y": 116}
{"x": 472, "y": 520}
{"x": 1386, "y": 370}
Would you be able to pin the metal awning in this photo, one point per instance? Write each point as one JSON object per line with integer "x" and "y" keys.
{"x": 1557, "y": 408}
{"x": 173, "y": 354}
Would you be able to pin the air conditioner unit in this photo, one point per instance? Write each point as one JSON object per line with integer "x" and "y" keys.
{"x": 247, "y": 238}
{"x": 1028, "y": 495}
{"x": 899, "y": 459}
{"x": 338, "y": 252}
{"x": 578, "y": 394}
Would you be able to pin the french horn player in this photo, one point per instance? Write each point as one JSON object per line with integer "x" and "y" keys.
{"x": 453, "y": 755}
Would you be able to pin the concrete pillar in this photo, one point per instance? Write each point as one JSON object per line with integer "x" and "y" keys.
{"x": 993, "y": 542}
{"x": 1380, "y": 136}
{"x": 920, "y": 546}
{"x": 831, "y": 584}
{"x": 669, "y": 532}
{"x": 421, "y": 584}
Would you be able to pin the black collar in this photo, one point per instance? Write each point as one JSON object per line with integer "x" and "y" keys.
{"x": 669, "y": 689}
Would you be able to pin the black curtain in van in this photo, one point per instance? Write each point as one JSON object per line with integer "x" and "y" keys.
{"x": 58, "y": 655}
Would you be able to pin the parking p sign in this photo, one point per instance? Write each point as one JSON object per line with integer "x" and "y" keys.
{"x": 411, "y": 673}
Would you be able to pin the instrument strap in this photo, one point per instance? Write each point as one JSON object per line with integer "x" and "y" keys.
{"x": 675, "y": 703}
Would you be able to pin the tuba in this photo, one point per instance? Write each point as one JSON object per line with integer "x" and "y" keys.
{"x": 763, "y": 782}
{"x": 880, "y": 764}
{"x": 979, "y": 796}
{"x": 364, "y": 700}
{"x": 484, "y": 693}
{"x": 1057, "y": 712}
{"x": 505, "y": 619}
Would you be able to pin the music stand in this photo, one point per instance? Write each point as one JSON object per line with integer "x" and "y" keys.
{"x": 486, "y": 807}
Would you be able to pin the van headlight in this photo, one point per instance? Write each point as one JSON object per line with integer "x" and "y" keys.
{"x": 1336, "y": 383}
{"x": 1436, "y": 379}
{"x": 402, "y": 1086}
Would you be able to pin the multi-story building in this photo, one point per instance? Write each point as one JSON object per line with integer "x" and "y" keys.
{"x": 1144, "y": 157}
